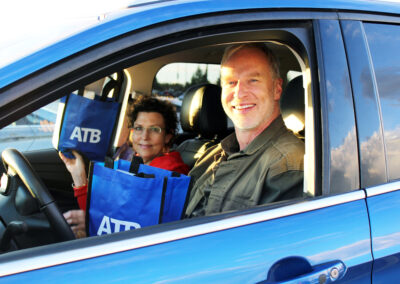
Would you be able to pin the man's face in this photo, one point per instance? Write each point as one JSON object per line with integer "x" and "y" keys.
{"x": 250, "y": 96}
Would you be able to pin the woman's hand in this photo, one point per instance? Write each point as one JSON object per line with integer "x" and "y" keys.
{"x": 76, "y": 167}
{"x": 76, "y": 220}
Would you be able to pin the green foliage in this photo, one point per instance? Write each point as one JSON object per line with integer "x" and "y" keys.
{"x": 199, "y": 77}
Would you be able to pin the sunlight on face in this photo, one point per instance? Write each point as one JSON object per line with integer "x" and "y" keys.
{"x": 250, "y": 96}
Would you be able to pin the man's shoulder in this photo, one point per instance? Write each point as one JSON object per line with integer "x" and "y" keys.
{"x": 205, "y": 160}
{"x": 287, "y": 142}
{"x": 291, "y": 149}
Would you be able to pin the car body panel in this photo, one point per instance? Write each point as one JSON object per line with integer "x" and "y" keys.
{"x": 242, "y": 254}
{"x": 383, "y": 205}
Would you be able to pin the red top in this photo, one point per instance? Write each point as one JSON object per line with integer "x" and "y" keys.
{"x": 171, "y": 161}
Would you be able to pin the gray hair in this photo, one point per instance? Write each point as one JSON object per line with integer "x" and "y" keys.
{"x": 272, "y": 59}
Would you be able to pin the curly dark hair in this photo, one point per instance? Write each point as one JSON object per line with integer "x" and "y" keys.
{"x": 152, "y": 104}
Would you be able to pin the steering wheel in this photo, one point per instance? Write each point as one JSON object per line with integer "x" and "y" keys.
{"x": 14, "y": 160}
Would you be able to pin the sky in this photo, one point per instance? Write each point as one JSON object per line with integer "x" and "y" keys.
{"x": 28, "y": 25}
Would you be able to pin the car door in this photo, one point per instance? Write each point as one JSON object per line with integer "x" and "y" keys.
{"x": 297, "y": 242}
{"x": 319, "y": 239}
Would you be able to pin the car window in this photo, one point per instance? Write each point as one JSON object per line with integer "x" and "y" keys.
{"x": 384, "y": 43}
{"x": 31, "y": 132}
{"x": 173, "y": 79}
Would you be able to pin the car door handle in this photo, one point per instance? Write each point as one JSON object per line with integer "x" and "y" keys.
{"x": 294, "y": 270}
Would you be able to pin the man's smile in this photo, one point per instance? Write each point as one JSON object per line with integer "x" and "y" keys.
{"x": 241, "y": 107}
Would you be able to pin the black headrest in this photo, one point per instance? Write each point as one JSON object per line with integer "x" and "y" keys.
{"x": 202, "y": 111}
{"x": 292, "y": 101}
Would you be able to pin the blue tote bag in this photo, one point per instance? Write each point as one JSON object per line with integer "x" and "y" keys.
{"x": 176, "y": 189}
{"x": 87, "y": 126}
{"x": 120, "y": 200}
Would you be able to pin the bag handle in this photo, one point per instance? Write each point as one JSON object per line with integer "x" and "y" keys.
{"x": 115, "y": 84}
{"x": 135, "y": 164}
{"x": 108, "y": 162}
{"x": 134, "y": 168}
{"x": 89, "y": 191}
{"x": 112, "y": 84}
{"x": 81, "y": 92}
{"x": 143, "y": 175}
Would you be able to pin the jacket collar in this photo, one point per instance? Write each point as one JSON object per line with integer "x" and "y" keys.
{"x": 230, "y": 144}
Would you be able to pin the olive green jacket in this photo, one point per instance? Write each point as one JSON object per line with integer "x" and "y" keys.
{"x": 269, "y": 169}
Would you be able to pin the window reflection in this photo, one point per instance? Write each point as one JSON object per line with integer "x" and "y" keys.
{"x": 384, "y": 44}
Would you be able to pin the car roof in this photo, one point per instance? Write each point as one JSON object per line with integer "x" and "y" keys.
{"x": 146, "y": 13}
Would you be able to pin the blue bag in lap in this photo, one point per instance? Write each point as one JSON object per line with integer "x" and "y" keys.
{"x": 176, "y": 190}
{"x": 121, "y": 201}
{"x": 87, "y": 126}
{"x": 132, "y": 196}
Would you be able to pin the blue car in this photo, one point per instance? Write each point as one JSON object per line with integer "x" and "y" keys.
{"x": 341, "y": 71}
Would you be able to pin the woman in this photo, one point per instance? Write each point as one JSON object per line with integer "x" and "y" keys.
{"x": 153, "y": 125}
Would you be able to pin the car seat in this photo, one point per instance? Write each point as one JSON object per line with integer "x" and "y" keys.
{"x": 293, "y": 107}
{"x": 201, "y": 114}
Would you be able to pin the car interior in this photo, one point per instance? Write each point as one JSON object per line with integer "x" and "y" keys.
{"x": 203, "y": 124}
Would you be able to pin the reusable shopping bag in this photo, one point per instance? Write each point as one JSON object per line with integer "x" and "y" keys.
{"x": 176, "y": 189}
{"x": 86, "y": 124}
{"x": 120, "y": 200}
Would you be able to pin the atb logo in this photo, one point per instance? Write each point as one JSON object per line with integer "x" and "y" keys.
{"x": 84, "y": 134}
{"x": 108, "y": 224}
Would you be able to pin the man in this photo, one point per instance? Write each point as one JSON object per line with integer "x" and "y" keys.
{"x": 262, "y": 161}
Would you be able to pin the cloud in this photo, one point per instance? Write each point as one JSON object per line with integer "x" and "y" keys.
{"x": 344, "y": 165}
{"x": 388, "y": 83}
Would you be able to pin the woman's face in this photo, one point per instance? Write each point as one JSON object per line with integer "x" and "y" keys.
{"x": 148, "y": 135}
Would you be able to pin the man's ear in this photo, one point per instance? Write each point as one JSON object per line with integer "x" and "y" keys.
{"x": 278, "y": 89}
